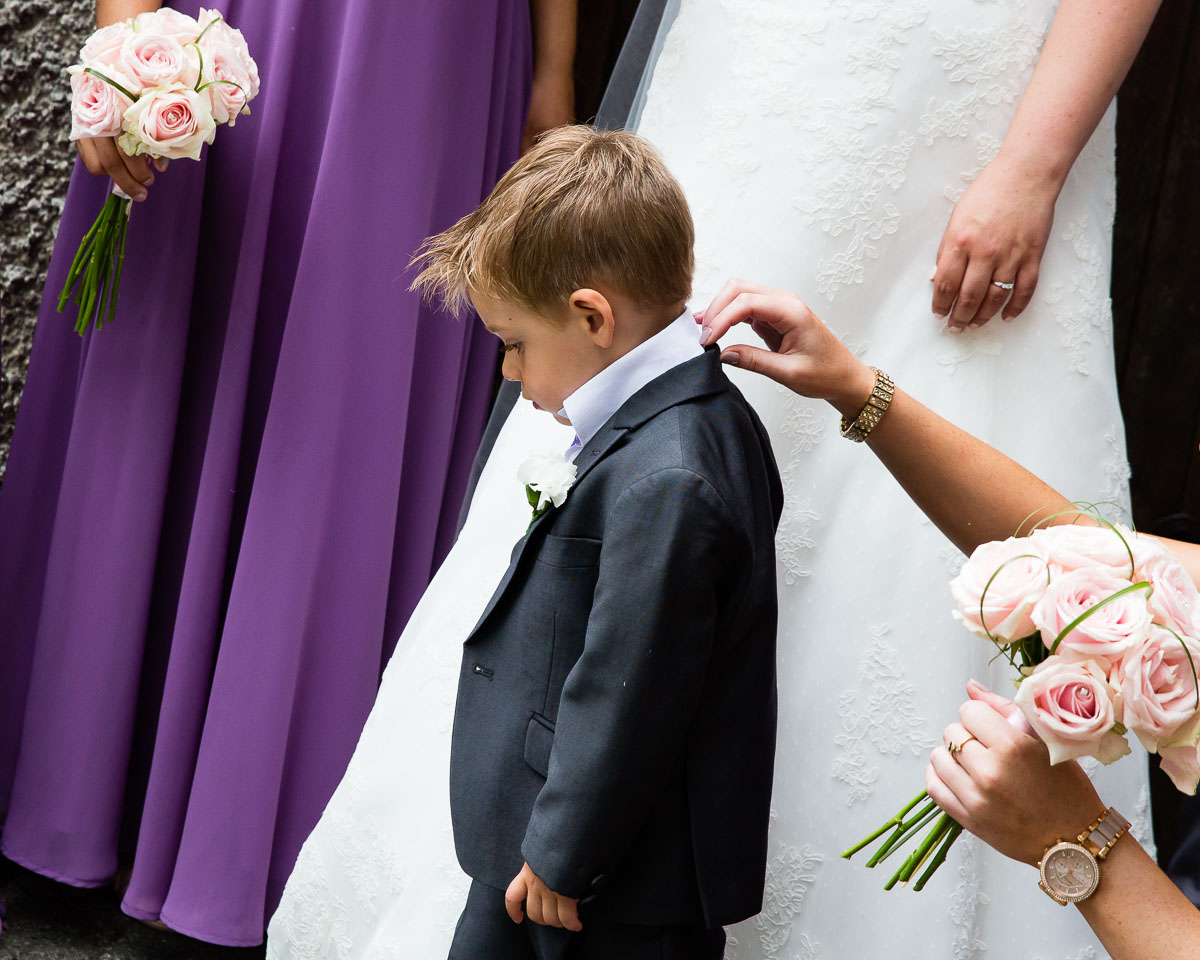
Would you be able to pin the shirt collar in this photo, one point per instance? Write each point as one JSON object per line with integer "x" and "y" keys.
{"x": 594, "y": 403}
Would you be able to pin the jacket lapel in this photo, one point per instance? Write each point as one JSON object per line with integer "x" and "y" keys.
{"x": 694, "y": 378}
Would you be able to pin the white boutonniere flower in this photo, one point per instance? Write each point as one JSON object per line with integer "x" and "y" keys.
{"x": 547, "y": 478}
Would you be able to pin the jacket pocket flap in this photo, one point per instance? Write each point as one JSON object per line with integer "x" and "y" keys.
{"x": 569, "y": 551}
{"x": 539, "y": 738}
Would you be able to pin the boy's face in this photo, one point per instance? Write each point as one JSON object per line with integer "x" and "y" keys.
{"x": 549, "y": 360}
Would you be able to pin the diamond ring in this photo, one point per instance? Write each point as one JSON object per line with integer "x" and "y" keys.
{"x": 1002, "y": 285}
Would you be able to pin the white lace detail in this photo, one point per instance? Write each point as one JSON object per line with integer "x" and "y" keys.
{"x": 805, "y": 422}
{"x": 958, "y": 348}
{"x": 1141, "y": 822}
{"x": 1088, "y": 311}
{"x": 966, "y": 901}
{"x": 790, "y": 874}
{"x": 888, "y": 721}
{"x": 1116, "y": 468}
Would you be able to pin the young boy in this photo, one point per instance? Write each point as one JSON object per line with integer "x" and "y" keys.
{"x": 614, "y": 734}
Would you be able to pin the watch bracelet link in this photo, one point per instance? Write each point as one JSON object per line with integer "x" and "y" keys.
{"x": 1103, "y": 832}
{"x": 873, "y": 410}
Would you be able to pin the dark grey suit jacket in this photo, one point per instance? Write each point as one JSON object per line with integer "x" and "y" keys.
{"x": 615, "y": 724}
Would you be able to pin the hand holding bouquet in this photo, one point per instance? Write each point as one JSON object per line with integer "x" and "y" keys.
{"x": 161, "y": 83}
{"x": 1103, "y": 626}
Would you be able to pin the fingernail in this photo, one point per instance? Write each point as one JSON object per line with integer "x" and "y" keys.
{"x": 1007, "y": 319}
{"x": 731, "y": 358}
{"x": 150, "y": 181}
{"x": 976, "y": 325}
{"x": 705, "y": 336}
{"x": 933, "y": 273}
{"x": 940, "y": 317}
{"x": 699, "y": 316}
{"x": 140, "y": 196}
{"x": 950, "y": 329}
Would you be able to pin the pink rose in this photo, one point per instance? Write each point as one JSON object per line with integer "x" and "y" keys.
{"x": 172, "y": 121}
{"x": 153, "y": 60}
{"x": 1181, "y": 757}
{"x": 1014, "y": 575}
{"x": 1158, "y": 686}
{"x": 1114, "y": 628}
{"x": 1073, "y": 708}
{"x": 103, "y": 48}
{"x": 97, "y": 107}
{"x": 1175, "y": 600}
{"x": 1075, "y": 546}
{"x": 167, "y": 22}
{"x": 227, "y": 61}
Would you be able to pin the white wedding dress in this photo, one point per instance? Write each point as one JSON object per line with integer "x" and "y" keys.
{"x": 822, "y": 145}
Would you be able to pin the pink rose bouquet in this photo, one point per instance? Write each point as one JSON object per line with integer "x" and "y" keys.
{"x": 161, "y": 83}
{"x": 1103, "y": 626}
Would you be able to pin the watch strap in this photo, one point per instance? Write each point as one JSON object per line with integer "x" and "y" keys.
{"x": 1103, "y": 832}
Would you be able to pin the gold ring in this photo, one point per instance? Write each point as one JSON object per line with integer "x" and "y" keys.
{"x": 956, "y": 748}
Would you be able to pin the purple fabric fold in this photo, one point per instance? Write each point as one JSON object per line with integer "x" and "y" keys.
{"x": 220, "y": 510}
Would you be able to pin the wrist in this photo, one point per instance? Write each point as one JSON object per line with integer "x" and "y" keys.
{"x": 852, "y": 391}
{"x": 1037, "y": 169}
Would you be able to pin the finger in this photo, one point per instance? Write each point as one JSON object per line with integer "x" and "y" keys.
{"x": 550, "y": 910}
{"x": 534, "y": 907}
{"x": 957, "y": 780}
{"x": 514, "y": 897}
{"x": 114, "y": 166}
{"x": 942, "y": 795}
{"x": 734, "y": 287}
{"x": 138, "y": 167}
{"x": 991, "y": 728}
{"x": 160, "y": 164}
{"x": 1026, "y": 283}
{"x": 781, "y": 312}
{"x": 995, "y": 297}
{"x": 89, "y": 156}
{"x": 972, "y": 292}
{"x": 757, "y": 360}
{"x": 568, "y": 913}
{"x": 977, "y": 691}
{"x": 950, "y": 268}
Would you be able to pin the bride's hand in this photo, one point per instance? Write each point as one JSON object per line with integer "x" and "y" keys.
{"x": 804, "y": 355}
{"x": 997, "y": 233}
{"x": 103, "y": 157}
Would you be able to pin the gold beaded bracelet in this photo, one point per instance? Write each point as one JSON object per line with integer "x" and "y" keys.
{"x": 873, "y": 410}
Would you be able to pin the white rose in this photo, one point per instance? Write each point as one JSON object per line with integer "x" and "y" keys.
{"x": 999, "y": 586}
{"x": 168, "y": 23}
{"x": 1073, "y": 546}
{"x": 172, "y": 121}
{"x": 550, "y": 476}
{"x": 227, "y": 61}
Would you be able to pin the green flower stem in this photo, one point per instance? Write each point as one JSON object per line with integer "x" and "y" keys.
{"x": 918, "y": 856}
{"x": 94, "y": 278}
{"x": 937, "y": 861}
{"x": 913, "y": 826}
{"x": 896, "y": 821}
{"x": 119, "y": 264}
{"x": 73, "y": 274}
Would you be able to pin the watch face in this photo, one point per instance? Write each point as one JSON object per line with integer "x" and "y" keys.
{"x": 1070, "y": 872}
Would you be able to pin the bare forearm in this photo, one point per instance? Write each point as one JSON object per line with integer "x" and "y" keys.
{"x": 1138, "y": 912}
{"x": 113, "y": 11}
{"x": 1087, "y": 53}
{"x": 553, "y": 37}
{"x": 973, "y": 492}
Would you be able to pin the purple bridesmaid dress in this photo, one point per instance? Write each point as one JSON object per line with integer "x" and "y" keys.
{"x": 220, "y": 510}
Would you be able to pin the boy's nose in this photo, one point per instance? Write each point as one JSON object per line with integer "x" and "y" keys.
{"x": 509, "y": 370}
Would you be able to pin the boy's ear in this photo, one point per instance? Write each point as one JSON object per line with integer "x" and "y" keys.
{"x": 593, "y": 309}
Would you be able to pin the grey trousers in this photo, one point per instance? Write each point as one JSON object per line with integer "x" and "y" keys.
{"x": 485, "y": 932}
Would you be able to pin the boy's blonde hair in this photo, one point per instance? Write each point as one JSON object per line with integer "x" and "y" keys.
{"x": 583, "y": 207}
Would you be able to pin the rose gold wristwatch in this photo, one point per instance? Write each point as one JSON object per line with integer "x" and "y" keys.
{"x": 1070, "y": 869}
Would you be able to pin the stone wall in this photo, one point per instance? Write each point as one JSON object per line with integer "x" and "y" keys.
{"x": 39, "y": 39}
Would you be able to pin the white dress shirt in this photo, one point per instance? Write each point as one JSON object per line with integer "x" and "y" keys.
{"x": 592, "y": 404}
